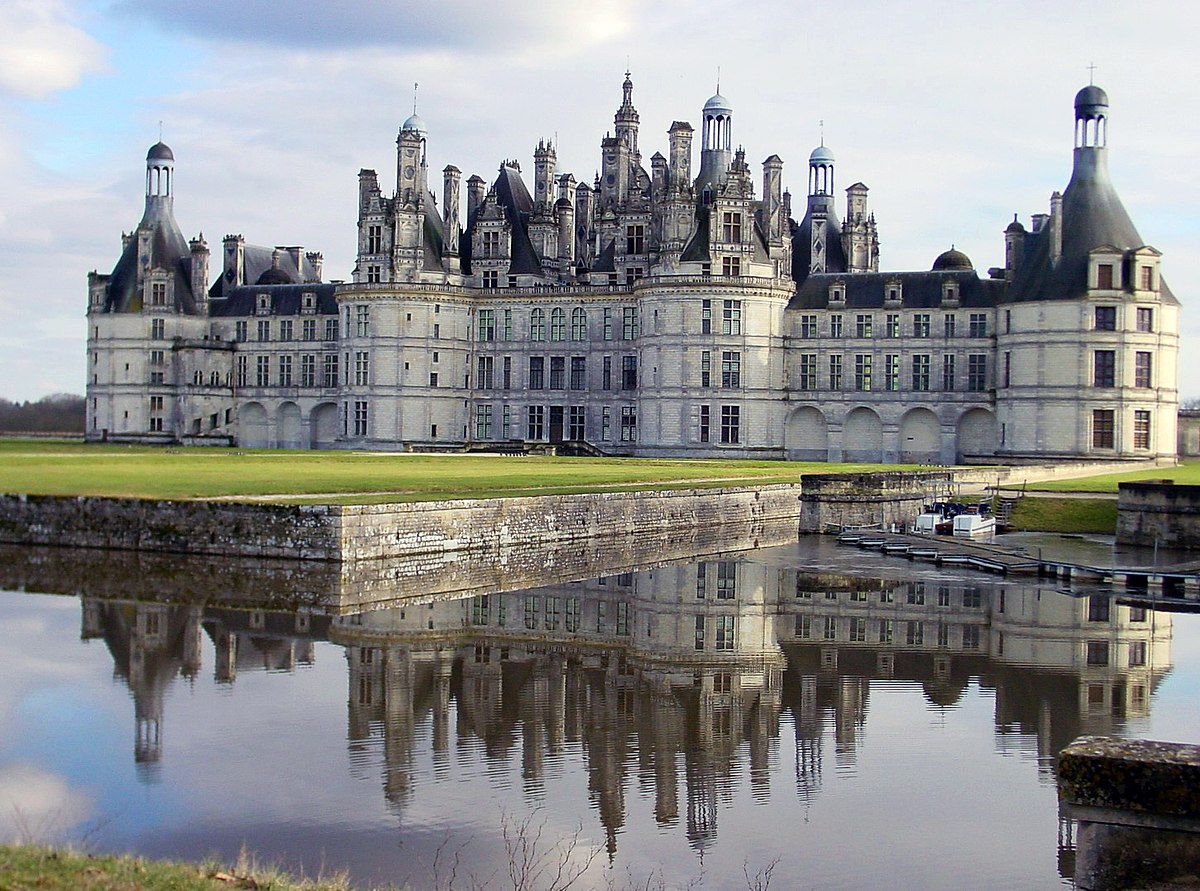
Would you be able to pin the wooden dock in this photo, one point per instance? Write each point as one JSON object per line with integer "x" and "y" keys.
{"x": 1179, "y": 584}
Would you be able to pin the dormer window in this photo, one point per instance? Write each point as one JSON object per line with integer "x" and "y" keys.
{"x": 263, "y": 304}
{"x": 893, "y": 292}
{"x": 837, "y": 292}
{"x": 1104, "y": 276}
{"x": 1147, "y": 278}
{"x": 950, "y": 292}
{"x": 308, "y": 303}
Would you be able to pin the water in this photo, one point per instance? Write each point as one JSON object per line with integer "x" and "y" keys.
{"x": 634, "y": 743}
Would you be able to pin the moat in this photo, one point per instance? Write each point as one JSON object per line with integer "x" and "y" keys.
{"x": 866, "y": 722}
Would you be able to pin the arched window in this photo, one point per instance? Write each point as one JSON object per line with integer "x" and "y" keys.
{"x": 578, "y": 323}
{"x": 537, "y": 324}
{"x": 558, "y": 324}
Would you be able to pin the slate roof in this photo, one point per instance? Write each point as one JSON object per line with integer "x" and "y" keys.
{"x": 285, "y": 300}
{"x": 259, "y": 260}
{"x": 1092, "y": 216}
{"x": 919, "y": 290}
{"x": 512, "y": 195}
{"x": 168, "y": 250}
{"x": 835, "y": 256}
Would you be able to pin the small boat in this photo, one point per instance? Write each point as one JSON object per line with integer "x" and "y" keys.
{"x": 974, "y": 525}
{"x": 938, "y": 518}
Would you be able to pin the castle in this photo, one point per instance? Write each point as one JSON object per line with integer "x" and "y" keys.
{"x": 667, "y": 312}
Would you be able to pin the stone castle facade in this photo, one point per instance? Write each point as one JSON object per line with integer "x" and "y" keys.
{"x": 660, "y": 312}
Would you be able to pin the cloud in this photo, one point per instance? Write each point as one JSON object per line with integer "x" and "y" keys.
{"x": 42, "y": 51}
{"x": 413, "y": 24}
{"x": 38, "y": 806}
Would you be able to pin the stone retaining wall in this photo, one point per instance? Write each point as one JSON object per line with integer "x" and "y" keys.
{"x": 366, "y": 532}
{"x": 1158, "y": 512}
{"x": 835, "y": 501}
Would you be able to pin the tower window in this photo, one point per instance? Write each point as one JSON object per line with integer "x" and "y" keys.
{"x": 1103, "y": 428}
{"x": 1106, "y": 318}
{"x": 1147, "y": 278}
{"x": 731, "y": 227}
{"x": 1104, "y": 368}
{"x": 635, "y": 239}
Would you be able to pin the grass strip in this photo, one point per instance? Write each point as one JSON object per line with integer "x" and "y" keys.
{"x": 1184, "y": 474}
{"x": 41, "y": 467}
{"x": 1065, "y": 515}
{"x": 41, "y": 868}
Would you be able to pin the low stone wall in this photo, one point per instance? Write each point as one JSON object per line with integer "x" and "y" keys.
{"x": 1158, "y": 512}
{"x": 834, "y": 501}
{"x": 1138, "y": 807}
{"x": 367, "y": 532}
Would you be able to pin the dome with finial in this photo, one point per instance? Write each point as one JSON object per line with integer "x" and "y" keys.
{"x": 274, "y": 276}
{"x": 414, "y": 124}
{"x": 718, "y": 105}
{"x": 953, "y": 261}
{"x": 1090, "y": 97}
{"x": 160, "y": 151}
{"x": 821, "y": 155}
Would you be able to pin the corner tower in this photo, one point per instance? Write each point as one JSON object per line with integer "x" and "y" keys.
{"x": 1087, "y": 342}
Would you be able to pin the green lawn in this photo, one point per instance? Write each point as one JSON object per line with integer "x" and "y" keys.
{"x": 1187, "y": 473}
{"x": 72, "y": 468}
{"x": 1070, "y": 515}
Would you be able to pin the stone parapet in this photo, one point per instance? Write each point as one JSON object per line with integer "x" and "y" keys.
{"x": 1158, "y": 512}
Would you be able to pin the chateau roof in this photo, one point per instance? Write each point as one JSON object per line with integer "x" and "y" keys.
{"x": 919, "y": 290}
{"x": 169, "y": 250}
{"x": 285, "y": 299}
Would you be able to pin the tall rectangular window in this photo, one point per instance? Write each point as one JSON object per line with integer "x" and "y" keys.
{"x": 506, "y": 373}
{"x": 629, "y": 323}
{"x": 360, "y": 418}
{"x": 508, "y": 324}
{"x": 706, "y": 317}
{"x": 578, "y": 372}
{"x": 731, "y": 227}
{"x": 808, "y": 371}
{"x": 1145, "y": 319}
{"x": 628, "y": 423}
{"x": 731, "y": 424}
{"x": 608, "y": 323}
{"x": 285, "y": 329}
{"x": 158, "y": 329}
{"x": 490, "y": 247}
{"x": 1104, "y": 368}
{"x": 863, "y": 325}
{"x": 242, "y": 371}
{"x": 835, "y": 325}
{"x": 308, "y": 370}
{"x": 727, "y": 580}
{"x": 977, "y": 372}
{"x": 264, "y": 330}
{"x": 536, "y": 426}
{"x": 705, "y": 421}
{"x": 331, "y": 371}
{"x": 921, "y": 324}
{"x": 308, "y": 330}
{"x": 239, "y": 329}
{"x": 1103, "y": 428}
{"x": 731, "y": 369}
{"x": 949, "y": 324}
{"x": 862, "y": 371}
{"x": 705, "y": 368}
{"x": 485, "y": 376}
{"x": 920, "y": 371}
{"x": 835, "y": 372}
{"x": 635, "y": 239}
{"x": 483, "y": 422}
{"x": 808, "y": 326}
{"x": 285, "y": 371}
{"x": 1142, "y": 368}
{"x": 362, "y": 368}
{"x": 362, "y": 321}
{"x": 948, "y": 372}
{"x": 725, "y": 639}
{"x": 977, "y": 325}
{"x": 262, "y": 377}
{"x": 578, "y": 324}
{"x": 487, "y": 324}
{"x": 558, "y": 323}
{"x": 576, "y": 418}
{"x": 629, "y": 372}
{"x": 537, "y": 324}
{"x": 891, "y": 372}
{"x": 605, "y": 424}
{"x": 537, "y": 372}
{"x": 558, "y": 373}
{"x": 892, "y": 325}
{"x": 731, "y": 317}
{"x": 1141, "y": 429}
{"x": 374, "y": 239}
{"x": 1104, "y": 276}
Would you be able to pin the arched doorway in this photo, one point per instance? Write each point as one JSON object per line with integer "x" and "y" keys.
{"x": 976, "y": 434}
{"x": 254, "y": 428}
{"x": 288, "y": 425}
{"x": 920, "y": 437}
{"x": 806, "y": 435}
{"x": 862, "y": 436}
{"x": 323, "y": 425}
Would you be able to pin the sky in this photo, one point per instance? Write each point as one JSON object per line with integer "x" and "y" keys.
{"x": 956, "y": 115}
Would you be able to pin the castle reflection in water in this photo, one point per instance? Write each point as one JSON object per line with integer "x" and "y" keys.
{"x": 674, "y": 679}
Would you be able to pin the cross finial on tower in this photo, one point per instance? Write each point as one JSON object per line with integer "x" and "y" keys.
{"x": 414, "y": 97}
{"x": 1092, "y": 73}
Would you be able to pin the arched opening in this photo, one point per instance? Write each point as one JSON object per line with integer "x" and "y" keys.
{"x": 920, "y": 437}
{"x": 288, "y": 425}
{"x": 323, "y": 425}
{"x": 976, "y": 435}
{"x": 862, "y": 436}
{"x": 254, "y": 428}
{"x": 806, "y": 436}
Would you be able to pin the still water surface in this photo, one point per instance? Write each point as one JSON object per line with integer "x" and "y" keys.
{"x": 865, "y": 722}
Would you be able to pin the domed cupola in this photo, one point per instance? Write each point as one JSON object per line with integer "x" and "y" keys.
{"x": 415, "y": 124}
{"x": 160, "y": 151}
{"x": 1091, "y": 117}
{"x": 820, "y": 171}
{"x": 716, "y": 142}
{"x": 953, "y": 261}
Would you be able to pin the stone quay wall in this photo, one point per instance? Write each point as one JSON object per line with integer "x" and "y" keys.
{"x": 1159, "y": 512}
{"x": 367, "y": 532}
{"x": 836, "y": 501}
